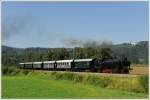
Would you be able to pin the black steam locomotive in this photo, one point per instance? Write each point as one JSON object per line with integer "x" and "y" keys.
{"x": 92, "y": 65}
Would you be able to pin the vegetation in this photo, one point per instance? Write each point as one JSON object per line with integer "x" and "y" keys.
{"x": 144, "y": 82}
{"x": 44, "y": 85}
{"x": 127, "y": 83}
{"x": 137, "y": 54}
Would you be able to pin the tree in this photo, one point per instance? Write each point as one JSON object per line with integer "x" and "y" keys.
{"x": 106, "y": 53}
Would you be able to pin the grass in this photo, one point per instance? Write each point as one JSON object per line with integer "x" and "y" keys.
{"x": 18, "y": 83}
{"x": 35, "y": 85}
{"x": 121, "y": 82}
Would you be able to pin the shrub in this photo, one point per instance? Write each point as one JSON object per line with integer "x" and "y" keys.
{"x": 78, "y": 78}
{"x": 58, "y": 76}
{"x": 143, "y": 80}
{"x": 111, "y": 82}
{"x": 68, "y": 76}
{"x": 10, "y": 71}
{"x": 53, "y": 73}
{"x": 14, "y": 71}
{"x": 25, "y": 72}
{"x": 125, "y": 83}
{"x": 4, "y": 70}
{"x": 97, "y": 80}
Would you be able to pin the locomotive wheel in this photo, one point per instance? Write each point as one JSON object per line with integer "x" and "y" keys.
{"x": 126, "y": 71}
{"x": 115, "y": 70}
{"x": 107, "y": 71}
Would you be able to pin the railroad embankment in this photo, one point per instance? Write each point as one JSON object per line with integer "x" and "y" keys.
{"x": 125, "y": 82}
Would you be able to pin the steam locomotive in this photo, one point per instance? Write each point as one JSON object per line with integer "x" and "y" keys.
{"x": 81, "y": 65}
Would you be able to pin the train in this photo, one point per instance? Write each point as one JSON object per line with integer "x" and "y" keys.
{"x": 81, "y": 65}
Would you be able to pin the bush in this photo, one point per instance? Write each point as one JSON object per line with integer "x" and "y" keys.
{"x": 78, "y": 78}
{"x": 4, "y": 70}
{"x": 143, "y": 80}
{"x": 53, "y": 73}
{"x": 125, "y": 83}
{"x": 133, "y": 84}
{"x": 68, "y": 76}
{"x": 100, "y": 81}
{"x": 58, "y": 76}
{"x": 13, "y": 71}
{"x": 10, "y": 71}
{"x": 25, "y": 72}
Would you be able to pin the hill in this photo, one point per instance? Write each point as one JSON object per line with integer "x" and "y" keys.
{"x": 136, "y": 53}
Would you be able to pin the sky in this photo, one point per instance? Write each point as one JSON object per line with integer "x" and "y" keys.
{"x": 51, "y": 24}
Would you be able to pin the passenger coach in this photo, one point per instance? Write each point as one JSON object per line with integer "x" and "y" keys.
{"x": 64, "y": 64}
{"x": 93, "y": 65}
{"x": 49, "y": 65}
{"x": 37, "y": 65}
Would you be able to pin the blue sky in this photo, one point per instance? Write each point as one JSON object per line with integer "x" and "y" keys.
{"x": 49, "y": 24}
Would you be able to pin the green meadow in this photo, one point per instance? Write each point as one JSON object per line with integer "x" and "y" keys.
{"x": 60, "y": 85}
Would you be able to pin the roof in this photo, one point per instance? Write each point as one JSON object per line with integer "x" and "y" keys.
{"x": 21, "y": 63}
{"x": 49, "y": 62}
{"x": 28, "y": 63}
{"x": 82, "y": 60}
{"x": 76, "y": 60}
{"x": 64, "y": 61}
{"x": 37, "y": 62}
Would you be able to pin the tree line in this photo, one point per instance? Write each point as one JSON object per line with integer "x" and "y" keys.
{"x": 135, "y": 53}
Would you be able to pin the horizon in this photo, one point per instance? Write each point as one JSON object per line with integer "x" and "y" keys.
{"x": 67, "y": 24}
{"x": 132, "y": 43}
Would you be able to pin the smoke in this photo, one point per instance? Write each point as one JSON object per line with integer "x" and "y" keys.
{"x": 15, "y": 25}
{"x": 25, "y": 24}
{"x": 86, "y": 43}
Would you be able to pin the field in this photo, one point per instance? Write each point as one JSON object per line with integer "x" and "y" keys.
{"x": 62, "y": 85}
{"x": 32, "y": 87}
{"x": 139, "y": 69}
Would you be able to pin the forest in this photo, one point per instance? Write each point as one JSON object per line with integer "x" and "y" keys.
{"x": 136, "y": 53}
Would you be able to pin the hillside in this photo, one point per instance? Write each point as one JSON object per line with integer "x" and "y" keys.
{"x": 137, "y": 53}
